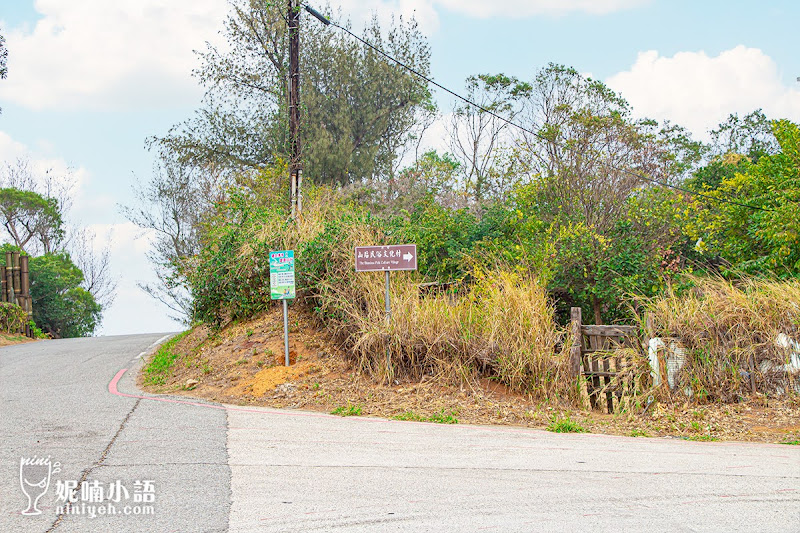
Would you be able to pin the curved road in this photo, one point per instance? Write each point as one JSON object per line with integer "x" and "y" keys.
{"x": 162, "y": 465}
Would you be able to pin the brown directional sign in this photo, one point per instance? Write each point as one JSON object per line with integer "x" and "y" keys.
{"x": 393, "y": 257}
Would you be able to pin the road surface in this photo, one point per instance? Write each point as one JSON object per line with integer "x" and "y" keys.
{"x": 194, "y": 466}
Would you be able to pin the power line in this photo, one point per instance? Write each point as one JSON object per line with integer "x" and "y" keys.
{"x": 326, "y": 21}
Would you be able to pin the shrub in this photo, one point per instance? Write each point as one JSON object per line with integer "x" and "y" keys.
{"x": 12, "y": 318}
{"x": 502, "y": 326}
{"x": 229, "y": 278}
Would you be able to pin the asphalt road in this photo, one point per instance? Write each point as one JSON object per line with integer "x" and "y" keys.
{"x": 228, "y": 468}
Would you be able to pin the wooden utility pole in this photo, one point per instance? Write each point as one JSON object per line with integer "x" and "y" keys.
{"x": 295, "y": 170}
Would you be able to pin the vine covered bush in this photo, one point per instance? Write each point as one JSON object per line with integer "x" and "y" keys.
{"x": 12, "y": 317}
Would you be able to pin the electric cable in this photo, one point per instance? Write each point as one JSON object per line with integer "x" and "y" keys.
{"x": 316, "y": 14}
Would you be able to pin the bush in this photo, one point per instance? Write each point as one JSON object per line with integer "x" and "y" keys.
{"x": 229, "y": 279}
{"x": 503, "y": 326}
{"x": 12, "y": 318}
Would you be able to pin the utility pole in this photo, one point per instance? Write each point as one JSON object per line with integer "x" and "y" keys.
{"x": 295, "y": 170}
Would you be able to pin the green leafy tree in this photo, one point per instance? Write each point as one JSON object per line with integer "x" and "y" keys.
{"x": 751, "y": 136}
{"x": 27, "y": 216}
{"x": 358, "y": 109}
{"x": 60, "y": 306}
{"x": 765, "y": 238}
{"x": 587, "y": 151}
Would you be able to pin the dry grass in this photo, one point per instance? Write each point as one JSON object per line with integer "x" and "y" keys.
{"x": 730, "y": 332}
{"x": 503, "y": 328}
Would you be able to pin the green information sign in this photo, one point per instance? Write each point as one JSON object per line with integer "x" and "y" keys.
{"x": 281, "y": 275}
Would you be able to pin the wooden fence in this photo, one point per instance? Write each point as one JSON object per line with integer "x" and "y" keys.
{"x": 598, "y": 353}
{"x": 16, "y": 286}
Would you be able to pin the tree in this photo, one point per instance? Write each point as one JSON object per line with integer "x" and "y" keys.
{"x": 476, "y": 134}
{"x": 432, "y": 175}
{"x": 27, "y": 215}
{"x": 760, "y": 232}
{"x": 585, "y": 160}
{"x": 751, "y": 136}
{"x": 175, "y": 205}
{"x": 358, "y": 109}
{"x": 61, "y": 307}
{"x": 33, "y": 209}
{"x": 586, "y": 152}
{"x": 94, "y": 262}
{"x": 41, "y": 205}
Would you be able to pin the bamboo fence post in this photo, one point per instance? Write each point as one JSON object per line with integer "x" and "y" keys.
{"x": 17, "y": 276}
{"x": 4, "y": 290}
{"x": 26, "y": 292}
{"x": 11, "y": 297}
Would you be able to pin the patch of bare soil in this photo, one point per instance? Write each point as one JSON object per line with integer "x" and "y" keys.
{"x": 10, "y": 340}
{"x": 244, "y": 364}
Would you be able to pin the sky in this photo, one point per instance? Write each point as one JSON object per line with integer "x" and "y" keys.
{"x": 90, "y": 80}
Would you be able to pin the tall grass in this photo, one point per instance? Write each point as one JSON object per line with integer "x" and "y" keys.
{"x": 730, "y": 331}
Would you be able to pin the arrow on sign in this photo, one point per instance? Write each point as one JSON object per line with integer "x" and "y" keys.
{"x": 408, "y": 257}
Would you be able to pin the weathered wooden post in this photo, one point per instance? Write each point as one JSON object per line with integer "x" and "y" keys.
{"x": 4, "y": 290}
{"x": 577, "y": 343}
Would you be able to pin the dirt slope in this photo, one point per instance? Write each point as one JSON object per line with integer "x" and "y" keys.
{"x": 244, "y": 364}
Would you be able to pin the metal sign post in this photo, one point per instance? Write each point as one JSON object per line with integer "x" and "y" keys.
{"x": 388, "y": 322}
{"x": 282, "y": 287}
{"x": 286, "y": 331}
{"x": 386, "y": 258}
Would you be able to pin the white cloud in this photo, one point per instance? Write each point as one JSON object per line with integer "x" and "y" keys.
{"x": 699, "y": 92}
{"x": 98, "y": 54}
{"x": 361, "y": 11}
{"x": 10, "y": 149}
{"x": 126, "y": 239}
{"x": 41, "y": 167}
{"x": 528, "y": 8}
{"x": 425, "y": 11}
{"x": 129, "y": 54}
